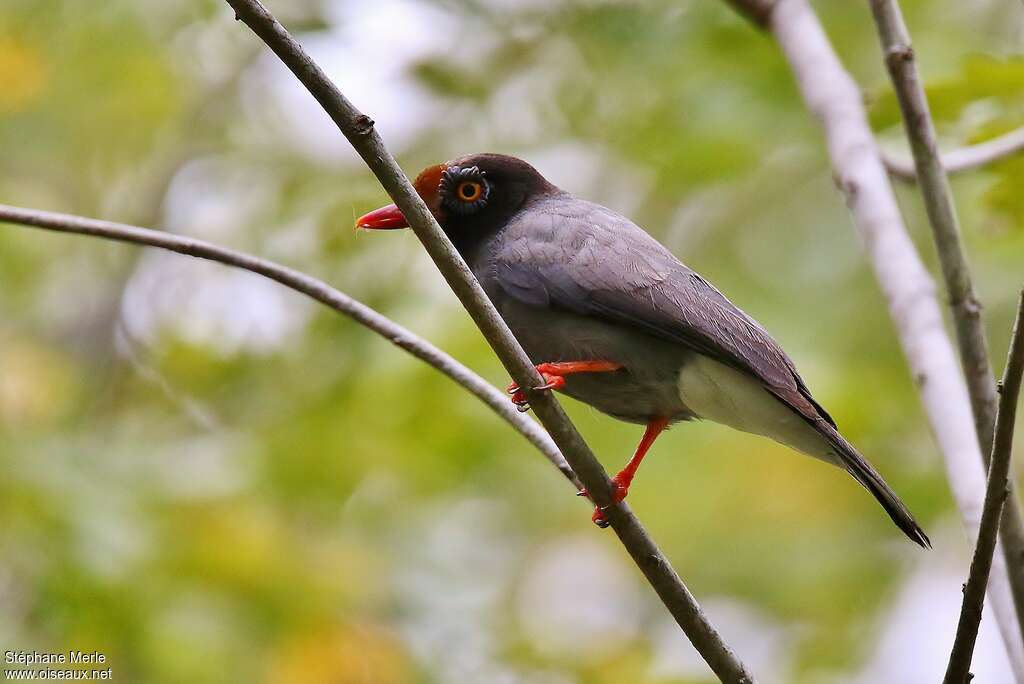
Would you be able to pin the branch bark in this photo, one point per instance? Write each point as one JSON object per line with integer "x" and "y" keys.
{"x": 964, "y": 158}
{"x": 938, "y": 201}
{"x": 834, "y": 98}
{"x": 358, "y": 129}
{"x": 315, "y": 289}
{"x": 996, "y": 492}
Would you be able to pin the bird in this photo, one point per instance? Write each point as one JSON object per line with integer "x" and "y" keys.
{"x": 612, "y": 318}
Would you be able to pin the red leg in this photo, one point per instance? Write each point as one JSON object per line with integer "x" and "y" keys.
{"x": 554, "y": 377}
{"x": 621, "y": 482}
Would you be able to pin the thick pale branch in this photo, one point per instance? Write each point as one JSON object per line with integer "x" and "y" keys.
{"x": 938, "y": 202}
{"x": 835, "y": 100}
{"x": 313, "y": 288}
{"x": 359, "y": 130}
{"x": 996, "y": 492}
{"x": 964, "y": 158}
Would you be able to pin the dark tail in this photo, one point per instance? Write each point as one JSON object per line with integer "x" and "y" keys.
{"x": 873, "y": 482}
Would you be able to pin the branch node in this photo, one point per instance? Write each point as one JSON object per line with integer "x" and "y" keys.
{"x": 899, "y": 53}
{"x": 363, "y": 125}
{"x": 971, "y": 305}
{"x": 848, "y": 186}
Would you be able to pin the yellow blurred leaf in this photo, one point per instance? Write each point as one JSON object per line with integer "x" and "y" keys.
{"x": 341, "y": 654}
{"x": 35, "y": 383}
{"x": 23, "y": 75}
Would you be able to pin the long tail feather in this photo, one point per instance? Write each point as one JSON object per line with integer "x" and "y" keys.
{"x": 864, "y": 473}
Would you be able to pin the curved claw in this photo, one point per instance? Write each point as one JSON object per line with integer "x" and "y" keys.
{"x": 620, "y": 488}
{"x": 519, "y": 398}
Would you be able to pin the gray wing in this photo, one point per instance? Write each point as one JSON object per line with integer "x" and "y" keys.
{"x": 592, "y": 262}
{"x": 587, "y": 260}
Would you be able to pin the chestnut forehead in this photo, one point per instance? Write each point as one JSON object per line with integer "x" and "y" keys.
{"x": 429, "y": 181}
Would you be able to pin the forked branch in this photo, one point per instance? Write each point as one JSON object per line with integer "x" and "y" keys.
{"x": 938, "y": 202}
{"x": 996, "y": 492}
{"x": 835, "y": 100}
{"x": 962, "y": 159}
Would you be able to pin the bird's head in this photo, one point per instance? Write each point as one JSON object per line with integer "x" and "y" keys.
{"x": 470, "y": 196}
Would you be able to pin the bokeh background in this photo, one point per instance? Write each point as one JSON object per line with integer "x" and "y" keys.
{"x": 210, "y": 479}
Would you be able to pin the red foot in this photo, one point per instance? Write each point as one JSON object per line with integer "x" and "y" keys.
{"x": 621, "y": 482}
{"x": 554, "y": 377}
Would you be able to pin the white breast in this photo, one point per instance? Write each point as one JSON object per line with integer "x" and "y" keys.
{"x": 721, "y": 394}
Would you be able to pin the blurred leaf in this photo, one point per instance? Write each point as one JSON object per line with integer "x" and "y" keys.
{"x": 23, "y": 73}
{"x": 351, "y": 654}
{"x": 982, "y": 78}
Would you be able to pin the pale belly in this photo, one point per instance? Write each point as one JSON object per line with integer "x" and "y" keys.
{"x": 716, "y": 392}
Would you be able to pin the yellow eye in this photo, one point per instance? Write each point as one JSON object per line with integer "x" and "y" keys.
{"x": 469, "y": 191}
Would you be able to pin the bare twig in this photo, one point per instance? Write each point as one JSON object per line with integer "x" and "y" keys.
{"x": 358, "y": 129}
{"x": 996, "y": 492}
{"x": 962, "y": 159}
{"x": 313, "y": 288}
{"x": 834, "y": 98}
{"x": 938, "y": 202}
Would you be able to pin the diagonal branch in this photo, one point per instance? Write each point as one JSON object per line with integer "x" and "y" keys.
{"x": 938, "y": 202}
{"x": 996, "y": 492}
{"x": 313, "y": 288}
{"x": 358, "y": 129}
{"x": 964, "y": 158}
{"x": 834, "y": 98}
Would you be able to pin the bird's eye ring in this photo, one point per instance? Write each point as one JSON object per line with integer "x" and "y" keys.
{"x": 470, "y": 191}
{"x": 464, "y": 190}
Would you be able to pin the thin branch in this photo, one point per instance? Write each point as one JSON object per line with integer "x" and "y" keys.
{"x": 834, "y": 98}
{"x": 938, "y": 201}
{"x": 964, "y": 158}
{"x": 996, "y": 492}
{"x": 313, "y": 288}
{"x": 358, "y": 129}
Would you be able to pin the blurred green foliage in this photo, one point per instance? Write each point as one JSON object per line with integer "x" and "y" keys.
{"x": 210, "y": 480}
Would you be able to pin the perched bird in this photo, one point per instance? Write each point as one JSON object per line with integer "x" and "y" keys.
{"x": 613, "y": 319}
